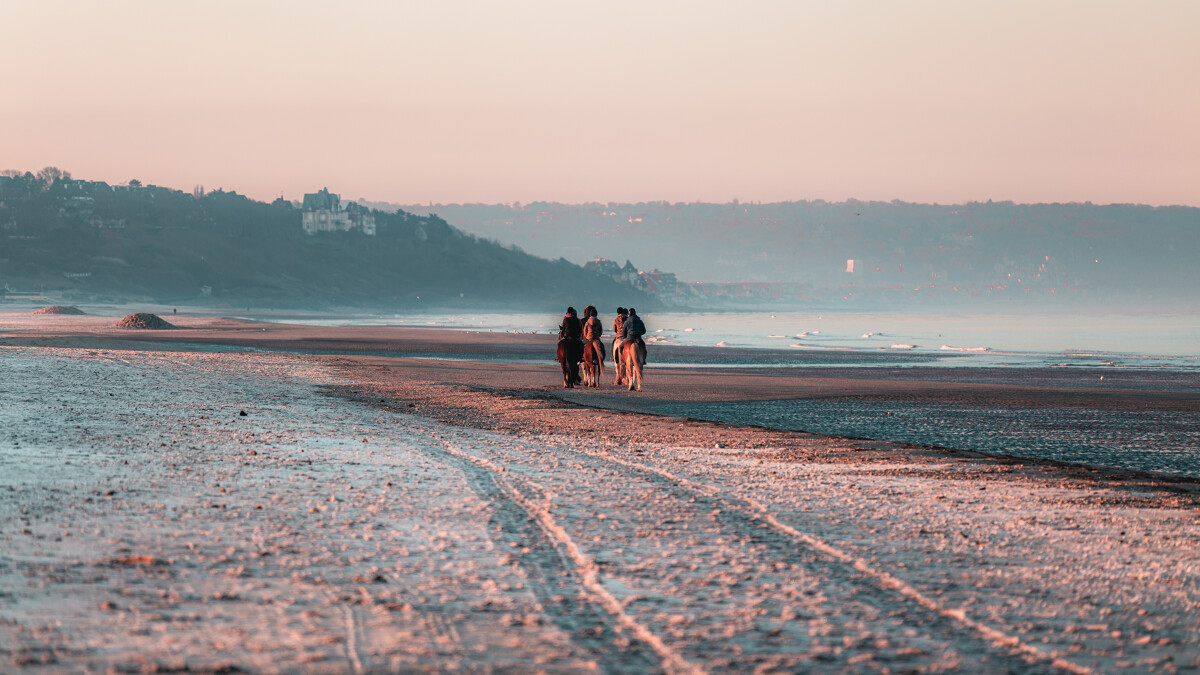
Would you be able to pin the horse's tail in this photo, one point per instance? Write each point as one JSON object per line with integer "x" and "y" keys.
{"x": 598, "y": 350}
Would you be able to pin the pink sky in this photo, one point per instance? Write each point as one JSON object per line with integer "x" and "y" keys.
{"x": 490, "y": 101}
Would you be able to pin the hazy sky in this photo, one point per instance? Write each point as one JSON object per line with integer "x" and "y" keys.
{"x": 574, "y": 100}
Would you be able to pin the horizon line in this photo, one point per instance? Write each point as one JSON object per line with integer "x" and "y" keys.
{"x": 732, "y": 201}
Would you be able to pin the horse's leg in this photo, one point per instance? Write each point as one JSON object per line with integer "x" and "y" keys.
{"x": 634, "y": 369}
{"x": 639, "y": 374}
{"x": 597, "y": 361}
{"x": 576, "y": 362}
{"x": 562, "y": 362}
{"x": 589, "y": 366}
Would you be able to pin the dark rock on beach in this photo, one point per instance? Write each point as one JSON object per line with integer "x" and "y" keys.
{"x": 70, "y": 310}
{"x": 144, "y": 321}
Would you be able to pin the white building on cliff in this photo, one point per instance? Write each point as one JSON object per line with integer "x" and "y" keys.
{"x": 323, "y": 212}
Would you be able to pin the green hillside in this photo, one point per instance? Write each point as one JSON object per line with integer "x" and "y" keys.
{"x": 86, "y": 240}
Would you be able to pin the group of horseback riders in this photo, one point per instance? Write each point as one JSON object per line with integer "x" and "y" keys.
{"x": 579, "y": 344}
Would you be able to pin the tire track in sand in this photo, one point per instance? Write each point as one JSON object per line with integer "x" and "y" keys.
{"x": 755, "y": 510}
{"x": 586, "y": 571}
{"x": 352, "y": 640}
{"x": 862, "y": 576}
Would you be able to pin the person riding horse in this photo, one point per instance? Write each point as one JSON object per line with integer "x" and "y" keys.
{"x": 634, "y": 351}
{"x": 617, "y": 326}
{"x": 632, "y": 328}
{"x": 592, "y": 328}
{"x": 570, "y": 347}
{"x": 616, "y": 343}
{"x": 593, "y": 348}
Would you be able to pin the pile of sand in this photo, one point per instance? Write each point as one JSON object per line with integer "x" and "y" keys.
{"x": 143, "y": 320}
{"x": 59, "y": 309}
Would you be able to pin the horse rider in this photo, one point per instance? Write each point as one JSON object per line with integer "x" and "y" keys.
{"x": 617, "y": 328}
{"x": 632, "y": 328}
{"x": 592, "y": 328}
{"x": 570, "y": 332}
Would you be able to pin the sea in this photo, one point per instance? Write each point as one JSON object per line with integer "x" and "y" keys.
{"x": 1147, "y": 351}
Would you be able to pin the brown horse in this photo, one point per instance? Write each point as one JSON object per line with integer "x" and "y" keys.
{"x": 593, "y": 363}
{"x": 633, "y": 356}
{"x": 570, "y": 352}
{"x": 618, "y": 365}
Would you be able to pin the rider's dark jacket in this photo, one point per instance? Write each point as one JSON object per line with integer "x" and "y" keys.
{"x": 571, "y": 328}
{"x": 633, "y": 328}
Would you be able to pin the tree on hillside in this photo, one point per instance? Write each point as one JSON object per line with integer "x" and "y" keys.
{"x": 51, "y": 174}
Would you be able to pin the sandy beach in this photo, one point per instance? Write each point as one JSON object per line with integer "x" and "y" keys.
{"x": 375, "y": 512}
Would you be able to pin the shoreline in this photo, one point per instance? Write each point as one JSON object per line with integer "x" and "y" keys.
{"x": 384, "y": 348}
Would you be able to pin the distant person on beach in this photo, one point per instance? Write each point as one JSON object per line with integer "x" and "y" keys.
{"x": 592, "y": 328}
{"x": 617, "y": 327}
{"x": 570, "y": 332}
{"x": 632, "y": 327}
{"x": 571, "y": 327}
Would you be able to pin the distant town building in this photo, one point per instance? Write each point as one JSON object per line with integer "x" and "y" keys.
{"x": 664, "y": 285}
{"x": 660, "y": 283}
{"x": 630, "y": 275}
{"x": 322, "y": 212}
{"x": 604, "y": 266}
{"x": 626, "y": 275}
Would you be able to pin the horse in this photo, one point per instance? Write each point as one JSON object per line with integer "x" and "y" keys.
{"x": 633, "y": 355}
{"x": 569, "y": 355}
{"x": 593, "y": 363}
{"x": 618, "y": 364}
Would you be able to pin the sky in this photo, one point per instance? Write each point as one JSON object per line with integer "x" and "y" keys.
{"x": 616, "y": 101}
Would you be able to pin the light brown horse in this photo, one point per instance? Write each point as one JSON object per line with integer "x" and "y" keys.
{"x": 593, "y": 363}
{"x": 633, "y": 356}
{"x": 618, "y": 365}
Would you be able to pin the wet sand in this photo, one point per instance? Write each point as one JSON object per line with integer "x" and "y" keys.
{"x": 475, "y": 355}
{"x": 382, "y": 514}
